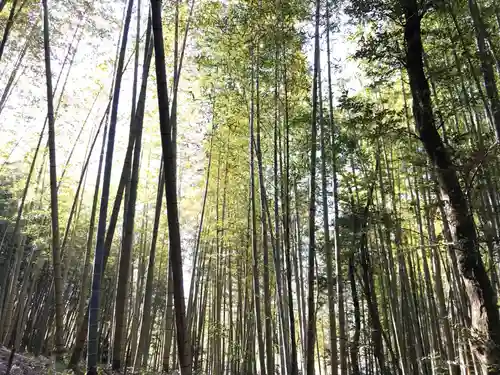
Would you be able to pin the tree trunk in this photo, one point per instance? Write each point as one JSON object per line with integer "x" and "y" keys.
{"x": 311, "y": 319}
{"x": 326, "y": 228}
{"x": 292, "y": 361}
{"x": 56, "y": 259}
{"x": 130, "y": 219}
{"x": 269, "y": 354}
{"x": 8, "y": 26}
{"x": 183, "y": 340}
{"x": 255, "y": 252}
{"x": 99, "y": 256}
{"x": 146, "y": 311}
{"x": 485, "y": 319}
{"x": 354, "y": 345}
{"x": 486, "y": 65}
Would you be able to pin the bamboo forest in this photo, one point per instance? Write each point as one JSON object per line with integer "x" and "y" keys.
{"x": 250, "y": 187}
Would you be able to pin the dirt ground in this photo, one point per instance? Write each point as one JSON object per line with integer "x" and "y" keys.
{"x": 23, "y": 364}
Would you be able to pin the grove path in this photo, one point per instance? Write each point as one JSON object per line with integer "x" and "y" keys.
{"x": 23, "y": 365}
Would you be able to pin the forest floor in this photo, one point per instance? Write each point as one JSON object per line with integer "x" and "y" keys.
{"x": 23, "y": 364}
{"x": 26, "y": 364}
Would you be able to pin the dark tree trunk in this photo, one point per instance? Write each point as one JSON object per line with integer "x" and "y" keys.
{"x": 485, "y": 322}
{"x": 56, "y": 258}
{"x": 354, "y": 345}
{"x": 100, "y": 249}
{"x": 8, "y": 26}
{"x": 311, "y": 320}
{"x": 169, "y": 162}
